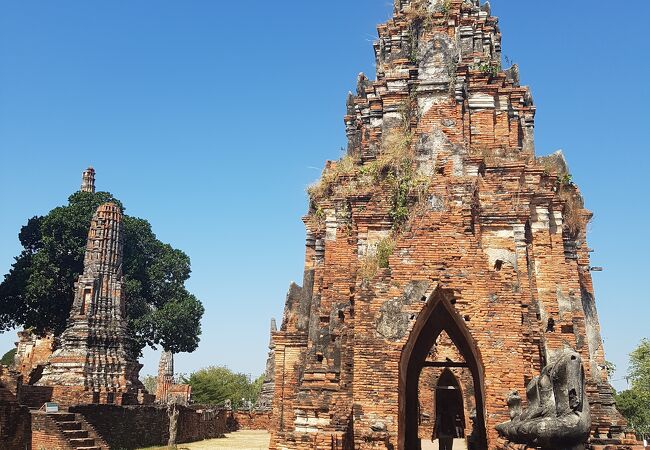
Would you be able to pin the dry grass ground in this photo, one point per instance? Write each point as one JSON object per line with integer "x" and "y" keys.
{"x": 241, "y": 440}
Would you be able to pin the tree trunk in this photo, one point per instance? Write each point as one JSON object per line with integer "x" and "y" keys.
{"x": 172, "y": 412}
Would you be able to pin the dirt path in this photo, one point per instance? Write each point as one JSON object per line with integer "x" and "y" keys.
{"x": 259, "y": 440}
{"x": 459, "y": 444}
{"x": 241, "y": 440}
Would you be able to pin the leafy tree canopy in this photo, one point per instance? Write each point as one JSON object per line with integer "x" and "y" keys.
{"x": 214, "y": 385}
{"x": 634, "y": 403}
{"x": 636, "y": 409}
{"x": 150, "y": 383}
{"x": 38, "y": 291}
{"x": 8, "y": 358}
{"x": 639, "y": 372}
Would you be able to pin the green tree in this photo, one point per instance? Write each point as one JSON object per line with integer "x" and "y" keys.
{"x": 8, "y": 358}
{"x": 634, "y": 403}
{"x": 38, "y": 291}
{"x": 150, "y": 383}
{"x": 636, "y": 409}
{"x": 639, "y": 371}
{"x": 256, "y": 388}
{"x": 214, "y": 385}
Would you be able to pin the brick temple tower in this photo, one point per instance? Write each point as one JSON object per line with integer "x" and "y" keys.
{"x": 265, "y": 399}
{"x": 166, "y": 388}
{"x": 88, "y": 180}
{"x": 93, "y": 363}
{"x": 445, "y": 261}
{"x": 165, "y": 376}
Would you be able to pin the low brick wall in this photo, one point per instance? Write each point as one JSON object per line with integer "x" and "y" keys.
{"x": 15, "y": 427}
{"x": 130, "y": 427}
{"x": 15, "y": 420}
{"x": 241, "y": 420}
{"x": 34, "y": 396}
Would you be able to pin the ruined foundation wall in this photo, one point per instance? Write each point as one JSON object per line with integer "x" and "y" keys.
{"x": 131, "y": 427}
{"x": 242, "y": 420}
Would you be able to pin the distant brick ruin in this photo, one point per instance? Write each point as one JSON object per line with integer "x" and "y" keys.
{"x": 265, "y": 400}
{"x": 88, "y": 180}
{"x": 445, "y": 262}
{"x": 32, "y": 354}
{"x": 167, "y": 391}
{"x": 94, "y": 362}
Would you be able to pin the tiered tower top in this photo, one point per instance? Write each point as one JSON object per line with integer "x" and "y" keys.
{"x": 88, "y": 180}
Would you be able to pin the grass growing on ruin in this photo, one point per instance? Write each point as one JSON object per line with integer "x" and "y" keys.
{"x": 377, "y": 258}
{"x": 573, "y": 214}
{"x": 345, "y": 167}
{"x": 418, "y": 11}
{"x": 492, "y": 69}
{"x": 395, "y": 156}
{"x": 393, "y": 168}
{"x": 396, "y": 166}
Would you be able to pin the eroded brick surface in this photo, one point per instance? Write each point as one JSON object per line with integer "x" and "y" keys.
{"x": 250, "y": 420}
{"x": 440, "y": 200}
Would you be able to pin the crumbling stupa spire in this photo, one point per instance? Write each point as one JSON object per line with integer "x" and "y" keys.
{"x": 88, "y": 180}
{"x": 94, "y": 363}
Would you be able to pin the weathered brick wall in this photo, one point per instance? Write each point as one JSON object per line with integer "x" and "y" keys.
{"x": 15, "y": 423}
{"x": 36, "y": 396}
{"x": 132, "y": 427}
{"x": 241, "y": 420}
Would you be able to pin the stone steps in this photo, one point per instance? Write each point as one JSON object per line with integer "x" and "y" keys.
{"x": 74, "y": 431}
{"x": 82, "y": 442}
{"x": 69, "y": 426}
{"x": 75, "y": 434}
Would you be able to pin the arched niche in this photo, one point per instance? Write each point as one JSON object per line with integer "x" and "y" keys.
{"x": 437, "y": 316}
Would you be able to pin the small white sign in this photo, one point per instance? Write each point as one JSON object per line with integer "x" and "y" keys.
{"x": 51, "y": 407}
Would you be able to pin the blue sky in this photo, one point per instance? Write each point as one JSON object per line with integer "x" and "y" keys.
{"x": 210, "y": 118}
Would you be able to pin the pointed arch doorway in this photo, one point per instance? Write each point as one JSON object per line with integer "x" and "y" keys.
{"x": 437, "y": 316}
{"x": 449, "y": 398}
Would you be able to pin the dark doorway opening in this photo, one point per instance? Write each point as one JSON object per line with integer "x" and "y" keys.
{"x": 439, "y": 316}
{"x": 449, "y": 399}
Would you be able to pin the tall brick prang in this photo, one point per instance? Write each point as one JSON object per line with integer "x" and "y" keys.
{"x": 94, "y": 362}
{"x": 446, "y": 264}
{"x": 88, "y": 180}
